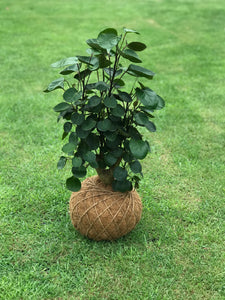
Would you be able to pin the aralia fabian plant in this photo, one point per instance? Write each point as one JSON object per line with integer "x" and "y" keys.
{"x": 101, "y": 115}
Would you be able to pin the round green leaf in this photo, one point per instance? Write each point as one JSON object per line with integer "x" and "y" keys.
{"x": 141, "y": 118}
{"x": 62, "y": 162}
{"x": 161, "y": 103}
{"x": 69, "y": 147}
{"x": 77, "y": 118}
{"x": 140, "y": 72}
{"x": 88, "y": 124}
{"x": 111, "y": 136}
{"x": 76, "y": 162}
{"x": 101, "y": 86}
{"x": 150, "y": 126}
{"x": 117, "y": 152}
{"x": 135, "y": 166}
{"x": 62, "y": 106}
{"x": 109, "y": 159}
{"x": 147, "y": 97}
{"x": 93, "y": 141}
{"x": 118, "y": 111}
{"x": 122, "y": 186}
{"x": 73, "y": 138}
{"x": 94, "y": 101}
{"x": 125, "y": 96}
{"x": 91, "y": 158}
{"x": 104, "y": 125}
{"x": 65, "y": 62}
{"x": 54, "y": 85}
{"x": 138, "y": 148}
{"x": 71, "y": 95}
{"x": 79, "y": 172}
{"x": 110, "y": 102}
{"x": 108, "y": 38}
{"x": 130, "y": 55}
{"x": 137, "y": 46}
{"x": 120, "y": 173}
{"x": 82, "y": 133}
{"x": 70, "y": 69}
{"x": 67, "y": 127}
{"x": 73, "y": 184}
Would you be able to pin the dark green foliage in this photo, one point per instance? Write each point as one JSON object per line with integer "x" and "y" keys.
{"x": 102, "y": 118}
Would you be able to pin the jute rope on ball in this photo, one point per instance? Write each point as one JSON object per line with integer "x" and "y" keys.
{"x": 99, "y": 213}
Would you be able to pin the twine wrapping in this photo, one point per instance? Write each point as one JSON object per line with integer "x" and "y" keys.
{"x": 102, "y": 214}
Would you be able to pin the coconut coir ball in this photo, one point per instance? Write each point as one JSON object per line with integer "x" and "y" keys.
{"x": 99, "y": 213}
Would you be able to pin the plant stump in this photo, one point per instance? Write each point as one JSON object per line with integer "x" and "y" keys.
{"x": 99, "y": 213}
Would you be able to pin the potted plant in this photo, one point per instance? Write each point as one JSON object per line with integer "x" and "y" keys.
{"x": 102, "y": 113}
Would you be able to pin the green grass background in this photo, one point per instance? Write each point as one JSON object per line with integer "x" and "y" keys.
{"x": 177, "y": 249}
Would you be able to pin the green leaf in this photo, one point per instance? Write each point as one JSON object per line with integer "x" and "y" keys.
{"x": 83, "y": 74}
{"x": 118, "y": 111}
{"x": 130, "y": 30}
{"x": 82, "y": 148}
{"x": 117, "y": 152}
{"x": 94, "y": 101}
{"x": 137, "y": 46}
{"x": 61, "y": 163}
{"x": 103, "y": 62}
{"x": 161, "y": 103}
{"x": 109, "y": 159}
{"x": 110, "y": 71}
{"x": 77, "y": 118}
{"x": 64, "y": 135}
{"x": 82, "y": 133}
{"x": 93, "y": 43}
{"x": 67, "y": 127}
{"x": 70, "y": 69}
{"x": 135, "y": 166}
{"x": 91, "y": 158}
{"x": 69, "y": 147}
{"x": 73, "y": 184}
{"x": 141, "y": 118}
{"x": 73, "y": 138}
{"x": 120, "y": 173}
{"x": 71, "y": 95}
{"x": 140, "y": 71}
{"x": 90, "y": 60}
{"x": 110, "y": 102}
{"x": 124, "y": 96}
{"x": 111, "y": 136}
{"x": 122, "y": 186}
{"x": 76, "y": 162}
{"x": 104, "y": 125}
{"x": 130, "y": 55}
{"x": 65, "y": 62}
{"x": 101, "y": 86}
{"x": 147, "y": 97}
{"x": 93, "y": 141}
{"x": 54, "y": 85}
{"x": 134, "y": 133}
{"x": 88, "y": 124}
{"x": 139, "y": 148}
{"x": 150, "y": 126}
{"x": 79, "y": 172}
{"x": 61, "y": 107}
{"x": 118, "y": 83}
{"x": 108, "y": 38}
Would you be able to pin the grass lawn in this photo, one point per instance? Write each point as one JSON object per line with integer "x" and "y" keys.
{"x": 177, "y": 249}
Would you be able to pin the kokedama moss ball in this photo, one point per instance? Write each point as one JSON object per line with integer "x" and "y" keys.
{"x": 99, "y": 213}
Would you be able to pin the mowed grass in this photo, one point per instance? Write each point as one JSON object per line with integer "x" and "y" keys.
{"x": 177, "y": 249}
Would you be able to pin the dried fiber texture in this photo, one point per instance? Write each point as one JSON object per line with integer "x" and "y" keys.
{"x": 102, "y": 214}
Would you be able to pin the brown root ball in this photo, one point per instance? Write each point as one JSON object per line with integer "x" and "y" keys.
{"x": 99, "y": 213}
